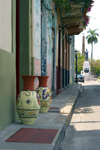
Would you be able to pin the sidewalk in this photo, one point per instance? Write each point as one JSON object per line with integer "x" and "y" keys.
{"x": 48, "y": 130}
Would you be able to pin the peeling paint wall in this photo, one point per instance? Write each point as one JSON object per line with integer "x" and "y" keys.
{"x": 49, "y": 42}
{"x": 54, "y": 25}
{"x": 49, "y": 35}
{"x": 37, "y": 29}
{"x": 51, "y": 23}
{"x": 37, "y": 39}
{"x": 42, "y": 39}
{"x": 46, "y": 40}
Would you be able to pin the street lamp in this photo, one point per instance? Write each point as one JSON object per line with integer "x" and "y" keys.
{"x": 76, "y": 64}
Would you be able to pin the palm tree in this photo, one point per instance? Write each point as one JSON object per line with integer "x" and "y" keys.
{"x": 92, "y": 38}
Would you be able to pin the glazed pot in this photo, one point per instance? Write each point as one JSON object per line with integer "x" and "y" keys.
{"x": 28, "y": 102}
{"x": 44, "y": 94}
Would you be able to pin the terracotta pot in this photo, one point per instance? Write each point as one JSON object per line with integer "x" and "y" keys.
{"x": 43, "y": 81}
{"x": 28, "y": 82}
{"x": 44, "y": 94}
{"x": 28, "y": 101}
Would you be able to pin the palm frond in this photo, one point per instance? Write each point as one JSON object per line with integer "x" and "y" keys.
{"x": 89, "y": 40}
{"x": 97, "y": 34}
{"x": 88, "y": 36}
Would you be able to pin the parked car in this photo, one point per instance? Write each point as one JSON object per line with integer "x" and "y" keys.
{"x": 80, "y": 78}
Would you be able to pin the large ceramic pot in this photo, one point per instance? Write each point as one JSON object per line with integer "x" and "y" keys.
{"x": 44, "y": 94}
{"x": 28, "y": 102}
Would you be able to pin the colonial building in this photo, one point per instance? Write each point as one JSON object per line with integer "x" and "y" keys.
{"x": 36, "y": 38}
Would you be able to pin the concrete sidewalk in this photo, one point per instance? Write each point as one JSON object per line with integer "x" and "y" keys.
{"x": 58, "y": 118}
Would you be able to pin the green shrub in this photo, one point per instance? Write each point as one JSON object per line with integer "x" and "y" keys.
{"x": 98, "y": 77}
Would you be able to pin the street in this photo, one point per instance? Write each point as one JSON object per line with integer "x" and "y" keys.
{"x": 83, "y": 132}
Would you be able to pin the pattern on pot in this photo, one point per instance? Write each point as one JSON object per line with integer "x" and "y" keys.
{"x": 45, "y": 98}
{"x": 28, "y": 104}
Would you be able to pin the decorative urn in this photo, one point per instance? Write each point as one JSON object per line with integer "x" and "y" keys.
{"x": 28, "y": 102}
{"x": 44, "y": 94}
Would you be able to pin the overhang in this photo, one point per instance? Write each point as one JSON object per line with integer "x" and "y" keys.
{"x": 73, "y": 20}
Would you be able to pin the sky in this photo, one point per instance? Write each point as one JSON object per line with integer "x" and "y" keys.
{"x": 94, "y": 23}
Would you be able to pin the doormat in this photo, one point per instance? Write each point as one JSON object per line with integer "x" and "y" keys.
{"x": 33, "y": 135}
{"x": 54, "y": 108}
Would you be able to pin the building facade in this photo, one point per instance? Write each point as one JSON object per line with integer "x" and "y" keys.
{"x": 34, "y": 40}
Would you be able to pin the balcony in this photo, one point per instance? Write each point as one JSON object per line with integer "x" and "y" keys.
{"x": 72, "y": 18}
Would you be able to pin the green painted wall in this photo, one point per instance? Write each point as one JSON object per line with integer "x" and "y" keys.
{"x": 24, "y": 41}
{"x": 8, "y": 79}
{"x": 7, "y": 89}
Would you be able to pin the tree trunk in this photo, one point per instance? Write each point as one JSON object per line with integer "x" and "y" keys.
{"x": 92, "y": 50}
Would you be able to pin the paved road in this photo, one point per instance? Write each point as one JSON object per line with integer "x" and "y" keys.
{"x": 83, "y": 132}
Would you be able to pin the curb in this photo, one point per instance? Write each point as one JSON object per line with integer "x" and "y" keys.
{"x": 67, "y": 109}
